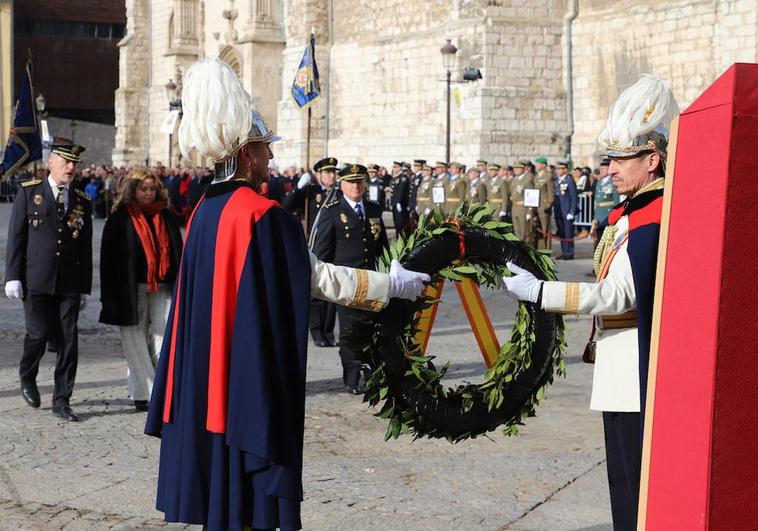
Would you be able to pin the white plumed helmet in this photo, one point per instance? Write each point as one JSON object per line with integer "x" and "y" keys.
{"x": 218, "y": 115}
{"x": 640, "y": 118}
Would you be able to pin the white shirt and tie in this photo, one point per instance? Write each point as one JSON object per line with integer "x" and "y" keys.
{"x": 56, "y": 190}
{"x": 358, "y": 208}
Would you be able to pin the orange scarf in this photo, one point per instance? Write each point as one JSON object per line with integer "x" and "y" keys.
{"x": 156, "y": 252}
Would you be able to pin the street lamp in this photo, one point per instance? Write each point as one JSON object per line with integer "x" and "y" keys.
{"x": 174, "y": 104}
{"x": 448, "y": 52}
{"x": 73, "y": 125}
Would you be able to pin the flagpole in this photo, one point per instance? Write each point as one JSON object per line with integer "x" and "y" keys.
{"x": 308, "y": 143}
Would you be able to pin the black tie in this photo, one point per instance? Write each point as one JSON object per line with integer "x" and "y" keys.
{"x": 359, "y": 211}
{"x": 61, "y": 202}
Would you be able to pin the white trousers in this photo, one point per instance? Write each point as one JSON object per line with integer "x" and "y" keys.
{"x": 142, "y": 343}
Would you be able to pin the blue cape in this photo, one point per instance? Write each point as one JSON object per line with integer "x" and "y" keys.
{"x": 229, "y": 395}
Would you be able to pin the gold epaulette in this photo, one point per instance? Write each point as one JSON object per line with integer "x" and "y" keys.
{"x": 30, "y": 183}
{"x": 82, "y": 194}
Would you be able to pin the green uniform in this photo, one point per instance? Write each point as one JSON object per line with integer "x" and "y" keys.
{"x": 497, "y": 196}
{"x": 455, "y": 194}
{"x": 519, "y": 213}
{"x": 424, "y": 195}
{"x": 605, "y": 197}
{"x": 477, "y": 191}
{"x": 545, "y": 183}
{"x": 440, "y": 182}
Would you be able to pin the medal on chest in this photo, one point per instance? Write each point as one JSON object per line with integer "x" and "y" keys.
{"x": 75, "y": 221}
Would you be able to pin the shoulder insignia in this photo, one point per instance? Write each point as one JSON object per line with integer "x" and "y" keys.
{"x": 32, "y": 182}
{"x": 332, "y": 203}
{"x": 82, "y": 194}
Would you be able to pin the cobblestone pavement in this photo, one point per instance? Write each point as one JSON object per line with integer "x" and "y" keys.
{"x": 101, "y": 472}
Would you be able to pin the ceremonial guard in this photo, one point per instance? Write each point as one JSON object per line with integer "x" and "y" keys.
{"x": 635, "y": 138}
{"x": 497, "y": 192}
{"x": 424, "y": 203}
{"x": 351, "y": 234}
{"x": 457, "y": 188}
{"x": 566, "y": 201}
{"x": 543, "y": 181}
{"x": 477, "y": 188}
{"x": 606, "y": 197}
{"x": 522, "y": 217}
{"x": 228, "y": 401}
{"x": 48, "y": 264}
{"x": 401, "y": 195}
{"x": 312, "y": 197}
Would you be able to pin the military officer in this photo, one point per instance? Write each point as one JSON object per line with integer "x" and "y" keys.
{"x": 439, "y": 189}
{"x": 311, "y": 198}
{"x": 49, "y": 266}
{"x": 418, "y": 165}
{"x": 543, "y": 181}
{"x": 522, "y": 217}
{"x": 351, "y": 234}
{"x": 424, "y": 203}
{"x": 457, "y": 188}
{"x": 477, "y": 188}
{"x": 497, "y": 192}
{"x": 566, "y": 200}
{"x": 401, "y": 198}
{"x": 606, "y": 197}
{"x": 375, "y": 187}
{"x": 481, "y": 166}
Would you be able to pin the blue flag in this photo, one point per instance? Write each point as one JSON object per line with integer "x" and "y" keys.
{"x": 306, "y": 88}
{"x": 24, "y": 142}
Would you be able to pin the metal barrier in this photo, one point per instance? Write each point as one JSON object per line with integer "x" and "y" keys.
{"x": 8, "y": 189}
{"x": 586, "y": 210}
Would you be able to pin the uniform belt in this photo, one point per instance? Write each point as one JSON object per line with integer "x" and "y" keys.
{"x": 614, "y": 322}
{"x": 518, "y": 203}
{"x": 496, "y": 200}
{"x": 453, "y": 199}
{"x": 604, "y": 203}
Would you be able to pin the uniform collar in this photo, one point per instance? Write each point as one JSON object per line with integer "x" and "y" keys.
{"x": 54, "y": 185}
{"x": 353, "y": 203}
{"x": 655, "y": 185}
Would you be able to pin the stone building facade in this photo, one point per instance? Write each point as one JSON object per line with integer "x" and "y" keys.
{"x": 550, "y": 69}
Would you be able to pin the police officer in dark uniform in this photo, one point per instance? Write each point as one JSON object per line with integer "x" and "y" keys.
{"x": 49, "y": 266}
{"x": 401, "y": 195}
{"x": 310, "y": 198}
{"x": 375, "y": 188}
{"x": 351, "y": 233}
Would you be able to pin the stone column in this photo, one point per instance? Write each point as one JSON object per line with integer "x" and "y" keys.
{"x": 132, "y": 93}
{"x": 262, "y": 44}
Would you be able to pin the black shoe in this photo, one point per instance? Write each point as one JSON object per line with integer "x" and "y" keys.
{"x": 140, "y": 405}
{"x": 567, "y": 258}
{"x": 355, "y": 390}
{"x": 30, "y": 393}
{"x": 333, "y": 343}
{"x": 65, "y": 413}
{"x": 322, "y": 343}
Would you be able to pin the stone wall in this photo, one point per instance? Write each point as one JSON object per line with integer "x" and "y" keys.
{"x": 687, "y": 42}
{"x": 383, "y": 68}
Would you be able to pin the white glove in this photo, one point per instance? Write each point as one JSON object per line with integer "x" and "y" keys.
{"x": 399, "y": 207}
{"x": 502, "y": 213}
{"x": 523, "y": 285}
{"x": 14, "y": 289}
{"x": 426, "y": 212}
{"x": 405, "y": 284}
{"x": 304, "y": 181}
{"x": 528, "y": 217}
{"x": 83, "y": 301}
{"x": 569, "y": 216}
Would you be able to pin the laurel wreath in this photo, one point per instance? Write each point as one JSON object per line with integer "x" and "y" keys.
{"x": 514, "y": 356}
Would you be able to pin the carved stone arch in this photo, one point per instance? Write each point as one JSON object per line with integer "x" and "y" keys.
{"x": 233, "y": 58}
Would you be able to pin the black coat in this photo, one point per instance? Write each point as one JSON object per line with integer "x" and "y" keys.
{"x": 314, "y": 195}
{"x": 120, "y": 249}
{"x": 48, "y": 256}
{"x": 343, "y": 240}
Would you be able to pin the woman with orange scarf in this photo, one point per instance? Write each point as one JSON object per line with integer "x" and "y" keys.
{"x": 139, "y": 257}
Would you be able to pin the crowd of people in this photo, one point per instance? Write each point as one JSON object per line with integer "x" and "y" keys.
{"x": 225, "y": 386}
